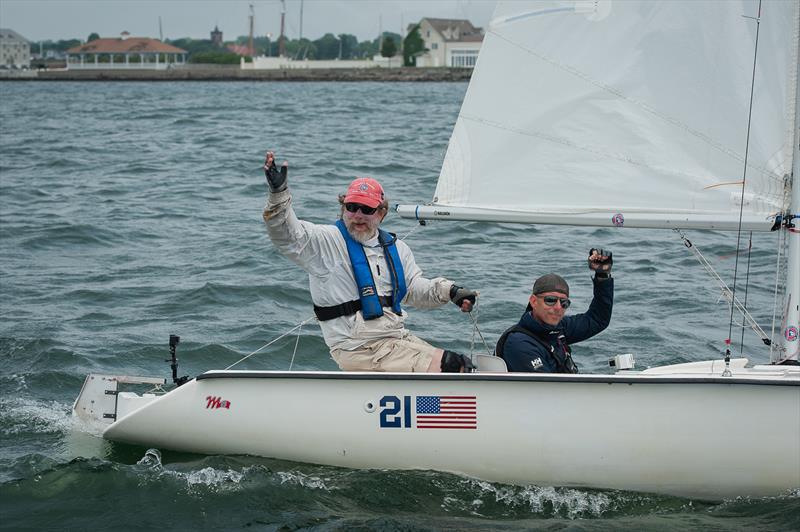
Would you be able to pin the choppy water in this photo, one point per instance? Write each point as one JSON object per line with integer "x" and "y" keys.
{"x": 129, "y": 211}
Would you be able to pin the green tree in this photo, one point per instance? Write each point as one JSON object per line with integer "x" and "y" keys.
{"x": 92, "y": 37}
{"x": 194, "y": 46}
{"x": 327, "y": 47}
{"x": 66, "y": 44}
{"x": 219, "y": 58}
{"x": 349, "y": 46}
{"x": 413, "y": 45}
{"x": 300, "y": 49}
{"x": 389, "y": 48}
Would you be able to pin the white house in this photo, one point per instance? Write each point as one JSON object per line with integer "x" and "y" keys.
{"x": 15, "y": 50}
{"x": 450, "y": 42}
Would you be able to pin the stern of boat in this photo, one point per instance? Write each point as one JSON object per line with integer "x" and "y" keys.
{"x": 102, "y": 399}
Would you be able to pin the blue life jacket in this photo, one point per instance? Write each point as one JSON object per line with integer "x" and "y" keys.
{"x": 369, "y": 303}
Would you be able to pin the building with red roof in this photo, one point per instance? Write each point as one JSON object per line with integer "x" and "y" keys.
{"x": 125, "y": 52}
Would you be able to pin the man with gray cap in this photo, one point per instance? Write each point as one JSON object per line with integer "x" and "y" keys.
{"x": 541, "y": 341}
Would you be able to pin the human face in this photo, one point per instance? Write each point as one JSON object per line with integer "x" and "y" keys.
{"x": 550, "y": 315}
{"x": 362, "y": 227}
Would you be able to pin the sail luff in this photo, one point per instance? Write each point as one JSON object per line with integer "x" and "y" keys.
{"x": 789, "y": 342}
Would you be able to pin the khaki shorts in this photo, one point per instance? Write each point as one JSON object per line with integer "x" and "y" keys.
{"x": 407, "y": 354}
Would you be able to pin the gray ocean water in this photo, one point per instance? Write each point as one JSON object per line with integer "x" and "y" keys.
{"x": 131, "y": 211}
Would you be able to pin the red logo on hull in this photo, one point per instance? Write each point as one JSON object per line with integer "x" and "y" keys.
{"x": 214, "y": 402}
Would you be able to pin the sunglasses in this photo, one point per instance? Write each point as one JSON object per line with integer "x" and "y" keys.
{"x": 355, "y": 207}
{"x": 550, "y": 301}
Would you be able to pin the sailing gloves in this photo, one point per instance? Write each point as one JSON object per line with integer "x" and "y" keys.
{"x": 459, "y": 294}
{"x": 600, "y": 262}
{"x": 276, "y": 179}
{"x": 456, "y": 363}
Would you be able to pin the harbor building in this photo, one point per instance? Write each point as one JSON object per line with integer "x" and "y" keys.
{"x": 15, "y": 50}
{"x": 450, "y": 42}
{"x": 125, "y": 52}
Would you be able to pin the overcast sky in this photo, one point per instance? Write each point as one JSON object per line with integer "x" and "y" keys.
{"x": 67, "y": 19}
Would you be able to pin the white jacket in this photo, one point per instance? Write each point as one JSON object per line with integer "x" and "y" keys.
{"x": 322, "y": 252}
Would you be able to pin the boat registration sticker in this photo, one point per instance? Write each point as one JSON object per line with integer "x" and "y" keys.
{"x": 429, "y": 412}
{"x": 791, "y": 334}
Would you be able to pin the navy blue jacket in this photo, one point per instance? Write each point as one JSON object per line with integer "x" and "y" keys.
{"x": 525, "y": 354}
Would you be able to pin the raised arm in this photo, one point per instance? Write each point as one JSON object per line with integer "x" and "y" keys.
{"x": 582, "y": 326}
{"x": 308, "y": 245}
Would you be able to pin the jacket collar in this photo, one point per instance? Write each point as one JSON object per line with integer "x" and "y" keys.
{"x": 535, "y": 326}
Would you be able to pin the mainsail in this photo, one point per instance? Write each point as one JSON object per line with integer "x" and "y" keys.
{"x": 632, "y": 114}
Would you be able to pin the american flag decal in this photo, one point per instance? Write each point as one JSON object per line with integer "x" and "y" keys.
{"x": 447, "y": 412}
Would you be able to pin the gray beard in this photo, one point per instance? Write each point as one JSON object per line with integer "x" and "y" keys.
{"x": 361, "y": 238}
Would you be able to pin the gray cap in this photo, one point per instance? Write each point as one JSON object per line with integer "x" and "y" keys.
{"x": 550, "y": 283}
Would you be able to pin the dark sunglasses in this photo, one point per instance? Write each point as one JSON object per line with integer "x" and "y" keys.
{"x": 355, "y": 207}
{"x": 550, "y": 301}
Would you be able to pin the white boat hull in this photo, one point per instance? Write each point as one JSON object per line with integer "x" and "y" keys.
{"x": 694, "y": 435}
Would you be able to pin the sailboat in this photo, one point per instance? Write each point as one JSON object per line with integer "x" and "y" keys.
{"x": 600, "y": 113}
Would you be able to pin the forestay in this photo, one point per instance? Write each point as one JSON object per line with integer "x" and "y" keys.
{"x": 625, "y": 113}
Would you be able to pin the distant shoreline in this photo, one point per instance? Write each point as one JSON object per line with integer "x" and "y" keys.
{"x": 234, "y": 73}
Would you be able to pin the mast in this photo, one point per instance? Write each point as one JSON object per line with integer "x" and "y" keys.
{"x": 301, "y": 20}
{"x": 282, "y": 39}
{"x": 789, "y": 341}
{"x": 250, "y": 40}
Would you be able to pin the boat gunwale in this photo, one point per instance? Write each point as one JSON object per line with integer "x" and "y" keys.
{"x": 764, "y": 380}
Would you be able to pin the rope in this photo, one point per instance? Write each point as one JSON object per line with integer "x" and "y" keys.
{"x": 477, "y": 329}
{"x": 474, "y": 329}
{"x": 412, "y": 231}
{"x": 746, "y": 285}
{"x": 296, "y": 343}
{"x": 287, "y": 333}
{"x": 741, "y": 203}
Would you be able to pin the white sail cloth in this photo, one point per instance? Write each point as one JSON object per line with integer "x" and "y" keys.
{"x": 627, "y": 109}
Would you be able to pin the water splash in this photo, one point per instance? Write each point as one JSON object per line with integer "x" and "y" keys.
{"x": 305, "y": 481}
{"x": 20, "y": 415}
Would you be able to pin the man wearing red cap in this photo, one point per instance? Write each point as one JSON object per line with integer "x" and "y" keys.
{"x": 359, "y": 276}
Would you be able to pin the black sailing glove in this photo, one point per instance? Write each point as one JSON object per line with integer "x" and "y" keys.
{"x": 275, "y": 179}
{"x": 600, "y": 262}
{"x": 459, "y": 294}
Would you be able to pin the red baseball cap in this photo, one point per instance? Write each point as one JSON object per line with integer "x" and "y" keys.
{"x": 366, "y": 191}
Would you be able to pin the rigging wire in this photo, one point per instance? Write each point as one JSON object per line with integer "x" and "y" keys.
{"x": 287, "y": 333}
{"x": 296, "y": 343}
{"x": 746, "y": 285}
{"x": 778, "y": 268}
{"x": 726, "y": 292}
{"x": 727, "y": 371}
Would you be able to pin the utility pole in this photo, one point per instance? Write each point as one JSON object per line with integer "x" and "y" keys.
{"x": 282, "y": 40}
{"x": 252, "y": 23}
{"x": 160, "y": 31}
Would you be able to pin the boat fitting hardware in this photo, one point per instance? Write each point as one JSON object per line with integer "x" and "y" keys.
{"x": 173, "y": 344}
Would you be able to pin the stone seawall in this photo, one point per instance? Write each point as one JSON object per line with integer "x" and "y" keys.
{"x": 234, "y": 73}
